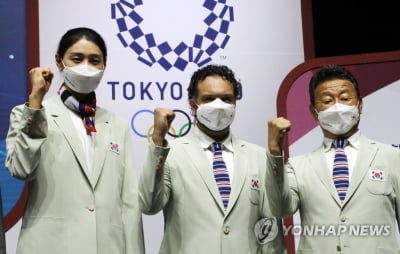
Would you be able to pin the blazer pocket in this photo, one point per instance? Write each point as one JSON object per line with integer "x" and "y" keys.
{"x": 379, "y": 187}
{"x": 116, "y": 237}
{"x": 381, "y": 250}
{"x": 255, "y": 188}
{"x": 255, "y": 196}
{"x": 305, "y": 251}
{"x": 37, "y": 228}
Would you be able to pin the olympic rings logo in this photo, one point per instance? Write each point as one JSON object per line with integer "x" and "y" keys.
{"x": 181, "y": 118}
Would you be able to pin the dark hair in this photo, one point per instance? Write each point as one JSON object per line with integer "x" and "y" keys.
{"x": 330, "y": 72}
{"x": 75, "y": 34}
{"x": 212, "y": 70}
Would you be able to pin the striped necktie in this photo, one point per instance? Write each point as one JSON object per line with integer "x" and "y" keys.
{"x": 221, "y": 174}
{"x": 340, "y": 169}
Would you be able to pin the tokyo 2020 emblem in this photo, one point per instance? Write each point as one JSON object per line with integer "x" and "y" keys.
{"x": 213, "y": 35}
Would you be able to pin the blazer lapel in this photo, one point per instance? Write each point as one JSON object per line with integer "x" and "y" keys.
{"x": 194, "y": 151}
{"x": 241, "y": 165}
{"x": 60, "y": 115}
{"x": 102, "y": 145}
{"x": 320, "y": 168}
{"x": 364, "y": 159}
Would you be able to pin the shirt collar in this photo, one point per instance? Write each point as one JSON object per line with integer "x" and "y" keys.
{"x": 206, "y": 141}
{"x": 353, "y": 140}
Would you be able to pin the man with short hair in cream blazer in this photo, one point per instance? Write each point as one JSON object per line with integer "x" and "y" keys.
{"x": 365, "y": 219}
{"x": 178, "y": 178}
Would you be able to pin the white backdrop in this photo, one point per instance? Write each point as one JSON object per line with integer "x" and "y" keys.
{"x": 265, "y": 45}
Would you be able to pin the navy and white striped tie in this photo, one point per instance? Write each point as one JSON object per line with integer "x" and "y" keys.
{"x": 221, "y": 174}
{"x": 340, "y": 169}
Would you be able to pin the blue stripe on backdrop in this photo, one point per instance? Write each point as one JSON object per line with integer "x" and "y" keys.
{"x": 13, "y": 89}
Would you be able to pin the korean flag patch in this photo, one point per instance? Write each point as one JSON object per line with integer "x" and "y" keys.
{"x": 377, "y": 175}
{"x": 114, "y": 147}
{"x": 255, "y": 184}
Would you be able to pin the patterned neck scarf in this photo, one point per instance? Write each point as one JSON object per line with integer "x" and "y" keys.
{"x": 86, "y": 109}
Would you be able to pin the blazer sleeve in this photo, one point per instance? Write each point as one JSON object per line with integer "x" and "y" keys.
{"x": 281, "y": 186}
{"x": 155, "y": 181}
{"x": 396, "y": 170}
{"x": 131, "y": 212}
{"x": 27, "y": 133}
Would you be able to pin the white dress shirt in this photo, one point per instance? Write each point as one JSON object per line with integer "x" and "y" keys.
{"x": 87, "y": 139}
{"x": 227, "y": 153}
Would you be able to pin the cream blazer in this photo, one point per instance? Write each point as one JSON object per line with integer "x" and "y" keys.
{"x": 69, "y": 210}
{"x": 180, "y": 182}
{"x": 365, "y": 223}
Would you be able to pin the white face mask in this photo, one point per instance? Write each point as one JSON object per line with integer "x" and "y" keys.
{"x": 82, "y": 78}
{"x": 339, "y": 118}
{"x": 216, "y": 115}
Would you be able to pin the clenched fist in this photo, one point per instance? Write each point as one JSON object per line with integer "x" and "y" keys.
{"x": 277, "y": 129}
{"x": 163, "y": 118}
{"x": 40, "y": 78}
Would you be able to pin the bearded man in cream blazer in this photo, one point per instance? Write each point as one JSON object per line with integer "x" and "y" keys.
{"x": 178, "y": 178}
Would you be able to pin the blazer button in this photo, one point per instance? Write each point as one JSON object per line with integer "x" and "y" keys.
{"x": 227, "y": 230}
{"x": 91, "y": 208}
{"x": 338, "y": 248}
{"x": 342, "y": 218}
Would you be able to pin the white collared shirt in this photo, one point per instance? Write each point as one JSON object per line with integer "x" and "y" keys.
{"x": 87, "y": 139}
{"x": 351, "y": 151}
{"x": 227, "y": 153}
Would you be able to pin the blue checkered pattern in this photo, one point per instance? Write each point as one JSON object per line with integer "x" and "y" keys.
{"x": 213, "y": 35}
